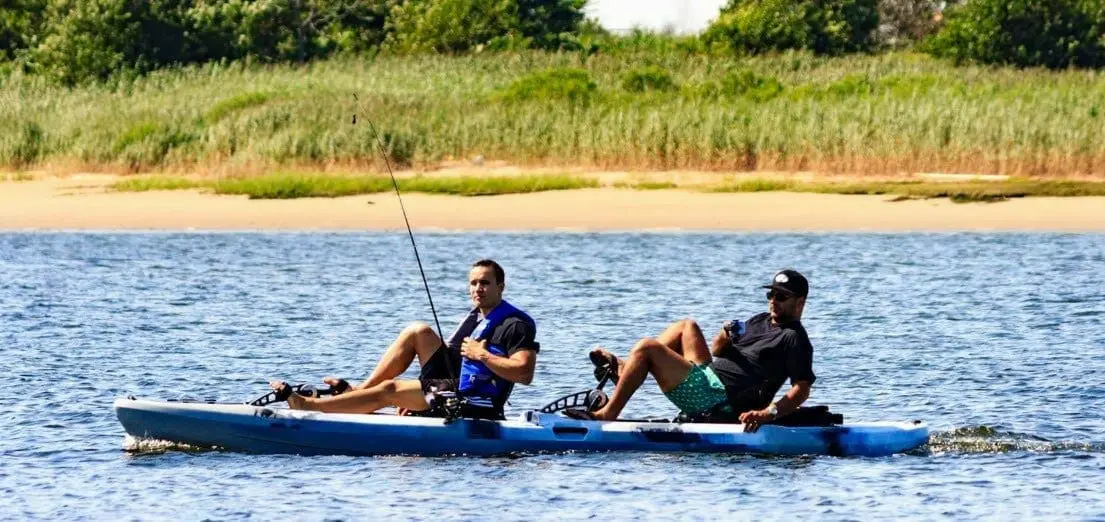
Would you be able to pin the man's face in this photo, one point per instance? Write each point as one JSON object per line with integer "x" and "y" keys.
{"x": 784, "y": 306}
{"x": 484, "y": 290}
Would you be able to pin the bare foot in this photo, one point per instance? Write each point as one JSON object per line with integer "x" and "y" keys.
{"x": 602, "y": 415}
{"x": 601, "y": 357}
{"x": 295, "y": 400}
{"x": 334, "y": 383}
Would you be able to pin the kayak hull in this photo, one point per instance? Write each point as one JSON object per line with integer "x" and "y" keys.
{"x": 254, "y": 429}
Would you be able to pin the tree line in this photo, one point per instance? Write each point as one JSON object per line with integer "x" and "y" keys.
{"x": 76, "y": 41}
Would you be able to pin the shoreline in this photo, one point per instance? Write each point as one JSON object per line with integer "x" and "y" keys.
{"x": 82, "y": 202}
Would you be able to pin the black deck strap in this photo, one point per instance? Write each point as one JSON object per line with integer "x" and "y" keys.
{"x": 283, "y": 393}
{"x": 809, "y": 416}
{"x": 340, "y": 388}
{"x": 578, "y": 414}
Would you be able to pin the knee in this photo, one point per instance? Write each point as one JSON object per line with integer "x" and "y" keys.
{"x": 418, "y": 330}
{"x": 688, "y": 325}
{"x": 388, "y": 386}
{"x": 645, "y": 348}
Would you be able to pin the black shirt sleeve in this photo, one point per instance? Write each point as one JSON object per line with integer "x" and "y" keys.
{"x": 518, "y": 335}
{"x": 800, "y": 358}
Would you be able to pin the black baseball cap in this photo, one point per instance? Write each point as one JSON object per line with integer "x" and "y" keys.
{"x": 790, "y": 281}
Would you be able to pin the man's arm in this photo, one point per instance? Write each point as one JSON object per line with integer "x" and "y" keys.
{"x": 789, "y": 403}
{"x": 722, "y": 341}
{"x": 516, "y": 368}
{"x": 795, "y": 396}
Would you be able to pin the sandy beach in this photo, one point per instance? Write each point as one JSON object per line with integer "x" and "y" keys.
{"x": 83, "y": 202}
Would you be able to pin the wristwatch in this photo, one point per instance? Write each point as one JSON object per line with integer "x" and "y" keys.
{"x": 774, "y": 411}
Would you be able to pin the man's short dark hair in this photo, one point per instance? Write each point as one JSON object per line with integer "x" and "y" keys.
{"x": 500, "y": 275}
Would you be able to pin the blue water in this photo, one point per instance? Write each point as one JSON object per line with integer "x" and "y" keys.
{"x": 996, "y": 340}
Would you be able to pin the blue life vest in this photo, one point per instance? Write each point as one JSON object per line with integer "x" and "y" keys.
{"x": 477, "y": 382}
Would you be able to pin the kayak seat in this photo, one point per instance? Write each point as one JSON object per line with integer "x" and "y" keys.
{"x": 804, "y": 416}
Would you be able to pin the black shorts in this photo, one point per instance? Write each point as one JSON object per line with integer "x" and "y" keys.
{"x": 439, "y": 374}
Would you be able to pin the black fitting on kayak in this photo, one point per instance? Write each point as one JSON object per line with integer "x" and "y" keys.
{"x": 588, "y": 400}
{"x": 305, "y": 390}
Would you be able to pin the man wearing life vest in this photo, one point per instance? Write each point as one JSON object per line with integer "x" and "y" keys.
{"x": 493, "y": 348}
{"x": 735, "y": 379}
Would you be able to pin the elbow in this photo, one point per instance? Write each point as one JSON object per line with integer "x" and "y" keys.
{"x": 526, "y": 378}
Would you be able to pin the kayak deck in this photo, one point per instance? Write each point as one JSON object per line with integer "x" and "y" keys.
{"x": 254, "y": 429}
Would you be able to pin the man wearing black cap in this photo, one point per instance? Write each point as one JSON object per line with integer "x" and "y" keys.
{"x": 738, "y": 376}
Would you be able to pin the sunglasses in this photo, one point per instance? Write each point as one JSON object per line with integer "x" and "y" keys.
{"x": 779, "y": 297}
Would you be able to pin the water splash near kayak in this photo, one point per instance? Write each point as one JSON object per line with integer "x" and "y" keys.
{"x": 138, "y": 446}
{"x": 987, "y": 439}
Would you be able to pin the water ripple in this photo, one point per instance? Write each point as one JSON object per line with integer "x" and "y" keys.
{"x": 969, "y": 332}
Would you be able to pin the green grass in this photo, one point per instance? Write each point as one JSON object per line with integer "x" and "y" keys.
{"x": 885, "y": 114}
{"x": 646, "y": 185}
{"x": 147, "y": 184}
{"x": 293, "y": 185}
{"x": 16, "y": 176}
{"x": 959, "y": 192}
{"x": 300, "y": 185}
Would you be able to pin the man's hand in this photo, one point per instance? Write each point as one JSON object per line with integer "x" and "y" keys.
{"x": 752, "y": 419}
{"x": 474, "y": 350}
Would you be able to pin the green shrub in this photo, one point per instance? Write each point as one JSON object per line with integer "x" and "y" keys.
{"x": 822, "y": 26}
{"x": 28, "y": 146}
{"x": 550, "y": 24}
{"x": 574, "y": 85}
{"x": 87, "y": 40}
{"x": 149, "y": 143}
{"x": 235, "y": 104}
{"x": 20, "y": 23}
{"x": 1054, "y": 34}
{"x": 751, "y": 85}
{"x": 95, "y": 39}
{"x": 649, "y": 78}
{"x": 851, "y": 85}
{"x": 456, "y": 26}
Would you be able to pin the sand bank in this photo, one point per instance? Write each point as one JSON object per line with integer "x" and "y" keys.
{"x": 82, "y": 202}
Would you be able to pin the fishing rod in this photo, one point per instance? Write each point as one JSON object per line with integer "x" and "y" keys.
{"x": 410, "y": 233}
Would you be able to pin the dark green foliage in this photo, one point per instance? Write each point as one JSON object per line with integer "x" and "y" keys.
{"x": 455, "y": 26}
{"x": 821, "y": 26}
{"x": 650, "y": 78}
{"x": 1054, "y": 33}
{"x": 20, "y": 23}
{"x": 84, "y": 40}
{"x": 280, "y": 30}
{"x": 550, "y": 24}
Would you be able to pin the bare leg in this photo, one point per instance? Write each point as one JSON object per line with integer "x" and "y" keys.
{"x": 685, "y": 338}
{"x": 648, "y": 356}
{"x": 401, "y": 394}
{"x": 682, "y": 337}
{"x": 418, "y": 339}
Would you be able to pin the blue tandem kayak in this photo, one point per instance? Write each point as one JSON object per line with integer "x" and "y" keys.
{"x": 262, "y": 429}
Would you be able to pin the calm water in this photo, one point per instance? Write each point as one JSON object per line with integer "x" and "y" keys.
{"x": 997, "y": 341}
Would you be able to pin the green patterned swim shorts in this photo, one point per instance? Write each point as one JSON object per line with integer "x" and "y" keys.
{"x": 699, "y": 392}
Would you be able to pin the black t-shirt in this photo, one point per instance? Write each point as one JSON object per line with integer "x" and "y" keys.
{"x": 513, "y": 335}
{"x": 754, "y": 365}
